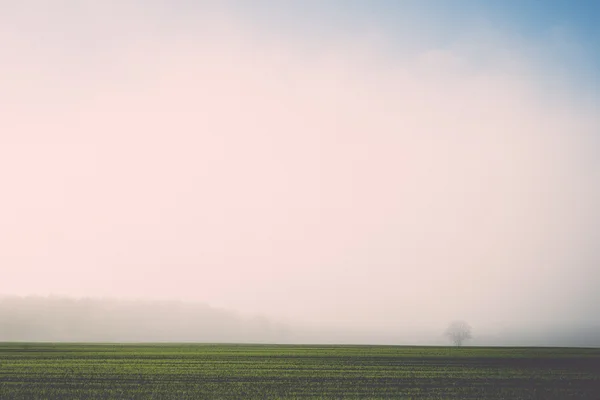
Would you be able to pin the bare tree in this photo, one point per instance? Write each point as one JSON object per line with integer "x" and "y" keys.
{"x": 458, "y": 332}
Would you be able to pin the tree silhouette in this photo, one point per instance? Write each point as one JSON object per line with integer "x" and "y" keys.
{"x": 458, "y": 332}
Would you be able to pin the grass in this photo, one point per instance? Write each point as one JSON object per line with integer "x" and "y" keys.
{"x": 185, "y": 371}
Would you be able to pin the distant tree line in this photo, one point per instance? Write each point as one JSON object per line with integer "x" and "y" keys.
{"x": 90, "y": 320}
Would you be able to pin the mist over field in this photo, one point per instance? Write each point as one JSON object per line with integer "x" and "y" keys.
{"x": 61, "y": 319}
{"x": 346, "y": 171}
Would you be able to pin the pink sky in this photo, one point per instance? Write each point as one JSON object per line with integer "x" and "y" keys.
{"x": 327, "y": 181}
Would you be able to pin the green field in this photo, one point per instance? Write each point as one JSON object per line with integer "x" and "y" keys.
{"x": 107, "y": 371}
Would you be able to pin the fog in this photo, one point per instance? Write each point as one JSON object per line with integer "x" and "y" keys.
{"x": 62, "y": 319}
{"x": 348, "y": 185}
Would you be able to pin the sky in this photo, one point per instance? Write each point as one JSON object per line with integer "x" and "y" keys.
{"x": 382, "y": 165}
